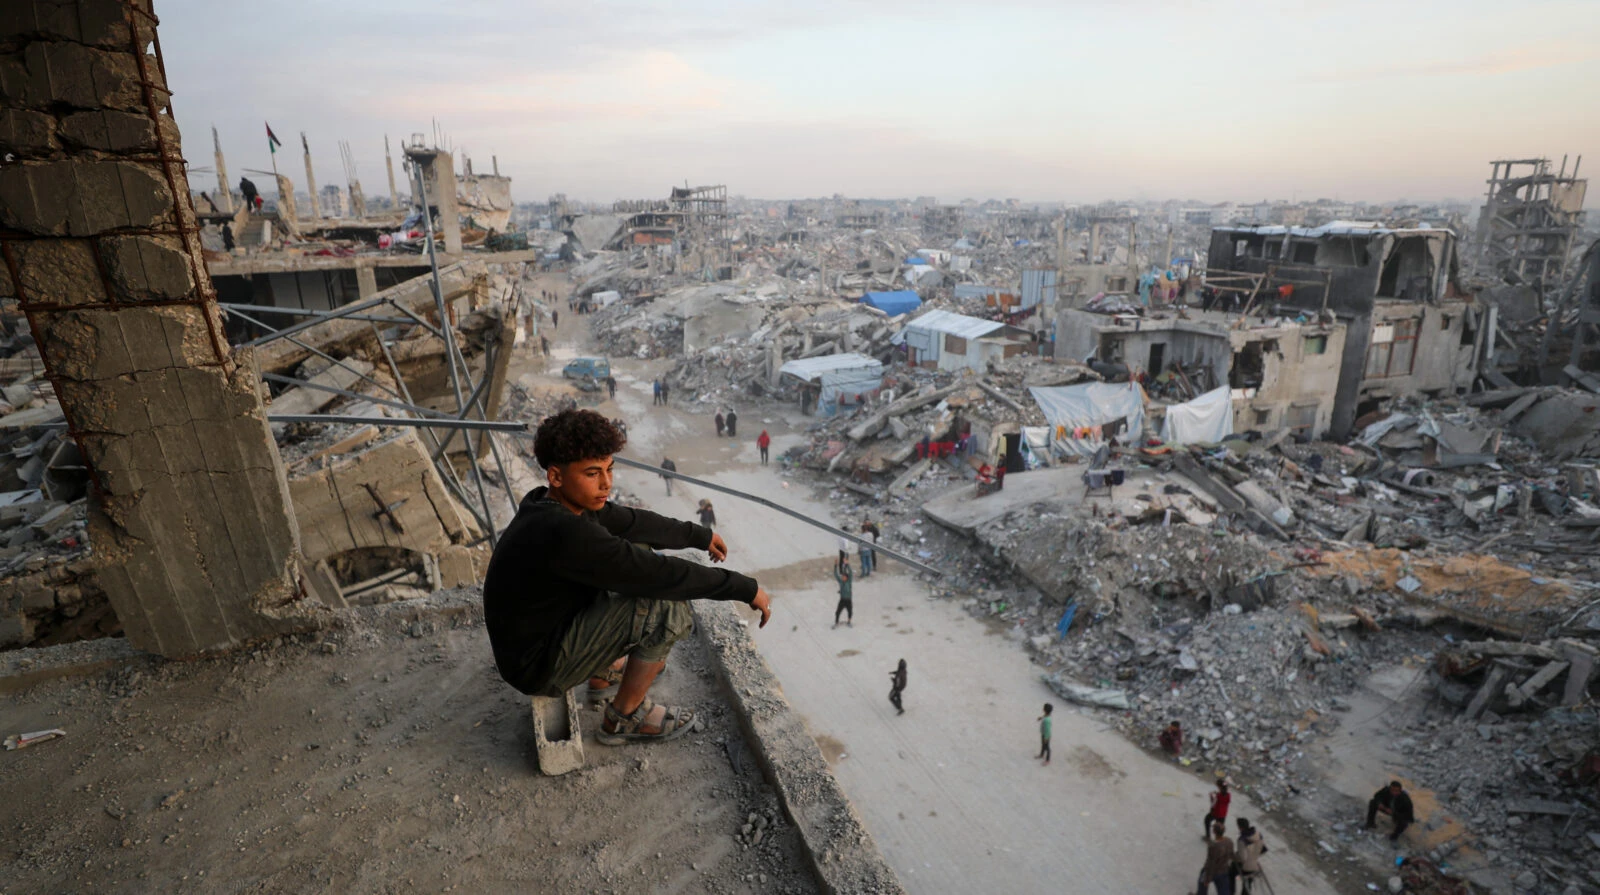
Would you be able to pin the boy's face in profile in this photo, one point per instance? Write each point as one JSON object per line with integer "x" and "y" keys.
{"x": 581, "y": 485}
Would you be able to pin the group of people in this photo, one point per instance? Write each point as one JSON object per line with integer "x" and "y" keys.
{"x": 727, "y": 422}
{"x": 660, "y": 390}
{"x": 845, "y": 576}
{"x": 1229, "y": 862}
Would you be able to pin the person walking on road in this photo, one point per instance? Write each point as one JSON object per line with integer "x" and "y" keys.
{"x": 666, "y": 390}
{"x": 733, "y": 422}
{"x": 708, "y": 516}
{"x": 897, "y": 686}
{"x": 1395, "y": 802}
{"x": 669, "y": 466}
{"x": 720, "y": 424}
{"x": 655, "y": 391}
{"x": 611, "y": 386}
{"x": 1247, "y": 856}
{"x": 1219, "y": 805}
{"x": 763, "y": 441}
{"x": 1044, "y": 733}
{"x": 842, "y": 574}
{"x": 1219, "y": 860}
{"x": 555, "y": 319}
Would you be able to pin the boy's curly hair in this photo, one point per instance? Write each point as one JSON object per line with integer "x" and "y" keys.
{"x": 574, "y": 435}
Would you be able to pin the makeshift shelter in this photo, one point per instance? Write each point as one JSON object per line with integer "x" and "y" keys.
{"x": 893, "y": 303}
{"x": 1208, "y": 419}
{"x": 946, "y": 341}
{"x": 836, "y": 380}
{"x": 1079, "y": 414}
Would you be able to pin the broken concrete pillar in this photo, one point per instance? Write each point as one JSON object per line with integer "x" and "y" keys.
{"x": 366, "y": 282}
{"x": 1489, "y": 690}
{"x": 1582, "y": 657}
{"x": 191, "y": 524}
{"x": 439, "y": 192}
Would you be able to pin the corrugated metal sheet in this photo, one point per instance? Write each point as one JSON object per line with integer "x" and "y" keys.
{"x": 810, "y": 368}
{"x": 1038, "y": 286}
{"x": 953, "y": 324}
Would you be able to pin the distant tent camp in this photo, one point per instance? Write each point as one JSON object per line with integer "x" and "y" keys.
{"x": 893, "y": 303}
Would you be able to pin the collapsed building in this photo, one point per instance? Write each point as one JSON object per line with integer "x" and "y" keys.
{"x": 1410, "y": 328}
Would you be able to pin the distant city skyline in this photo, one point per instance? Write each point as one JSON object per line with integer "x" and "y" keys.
{"x": 1075, "y": 102}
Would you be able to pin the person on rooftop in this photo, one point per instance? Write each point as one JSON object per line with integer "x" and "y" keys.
{"x": 575, "y": 590}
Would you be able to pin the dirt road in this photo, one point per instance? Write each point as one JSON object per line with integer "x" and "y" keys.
{"x": 950, "y": 789}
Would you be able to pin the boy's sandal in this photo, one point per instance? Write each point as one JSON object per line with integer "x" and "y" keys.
{"x": 618, "y": 728}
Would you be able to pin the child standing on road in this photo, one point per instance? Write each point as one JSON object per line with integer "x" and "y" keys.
{"x": 1044, "y": 733}
{"x": 897, "y": 685}
{"x": 841, "y": 574}
{"x": 708, "y": 516}
{"x": 1219, "y": 806}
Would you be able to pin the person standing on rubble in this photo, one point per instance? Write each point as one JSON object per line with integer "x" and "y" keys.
{"x": 247, "y": 188}
{"x": 841, "y": 574}
{"x": 1394, "y": 801}
{"x": 718, "y": 419}
{"x": 1171, "y": 740}
{"x": 733, "y": 422}
{"x": 575, "y": 590}
{"x": 669, "y": 466}
{"x": 763, "y": 442}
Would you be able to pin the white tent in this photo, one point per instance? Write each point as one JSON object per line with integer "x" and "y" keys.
{"x": 1208, "y": 419}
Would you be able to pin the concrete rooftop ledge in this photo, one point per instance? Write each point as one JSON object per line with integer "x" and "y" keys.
{"x": 843, "y": 855}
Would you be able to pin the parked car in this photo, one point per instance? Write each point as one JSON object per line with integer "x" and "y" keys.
{"x": 587, "y": 367}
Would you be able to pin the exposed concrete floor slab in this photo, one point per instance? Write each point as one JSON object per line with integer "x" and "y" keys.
{"x": 393, "y": 760}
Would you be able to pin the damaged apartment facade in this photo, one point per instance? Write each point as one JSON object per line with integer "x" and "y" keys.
{"x": 1329, "y": 324}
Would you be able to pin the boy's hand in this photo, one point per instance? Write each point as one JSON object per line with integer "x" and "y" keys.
{"x": 718, "y": 548}
{"x": 762, "y": 604}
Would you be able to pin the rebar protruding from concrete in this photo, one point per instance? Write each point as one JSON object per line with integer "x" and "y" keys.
{"x": 558, "y": 734}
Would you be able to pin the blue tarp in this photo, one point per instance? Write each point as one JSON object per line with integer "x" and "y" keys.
{"x": 893, "y": 303}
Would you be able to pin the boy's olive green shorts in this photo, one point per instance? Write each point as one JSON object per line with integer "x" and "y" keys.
{"x": 612, "y": 627}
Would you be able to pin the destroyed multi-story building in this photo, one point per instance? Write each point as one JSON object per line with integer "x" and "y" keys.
{"x": 1410, "y": 328}
{"x": 1529, "y": 221}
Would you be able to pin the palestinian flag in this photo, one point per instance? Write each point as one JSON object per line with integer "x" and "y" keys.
{"x": 272, "y": 140}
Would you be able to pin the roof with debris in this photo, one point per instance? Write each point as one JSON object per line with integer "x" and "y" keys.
{"x": 809, "y": 368}
{"x": 1334, "y": 228}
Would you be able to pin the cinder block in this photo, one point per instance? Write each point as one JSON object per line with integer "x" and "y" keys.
{"x": 24, "y": 133}
{"x": 109, "y": 131}
{"x": 59, "y": 271}
{"x": 558, "y": 734}
{"x": 82, "y": 198}
{"x": 147, "y": 267}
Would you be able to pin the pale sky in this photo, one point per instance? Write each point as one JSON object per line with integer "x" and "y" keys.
{"x": 1074, "y": 100}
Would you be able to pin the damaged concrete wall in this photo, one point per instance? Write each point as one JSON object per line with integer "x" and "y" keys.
{"x": 387, "y": 496}
{"x": 191, "y": 526}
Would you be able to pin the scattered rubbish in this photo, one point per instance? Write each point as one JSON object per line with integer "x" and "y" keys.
{"x": 24, "y": 740}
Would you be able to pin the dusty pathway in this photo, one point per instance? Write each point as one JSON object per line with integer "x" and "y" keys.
{"x": 950, "y": 790}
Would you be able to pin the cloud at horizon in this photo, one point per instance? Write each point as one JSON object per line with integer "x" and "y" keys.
{"x": 1078, "y": 101}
